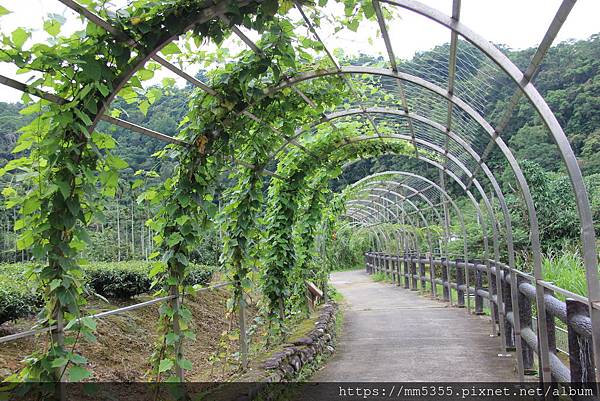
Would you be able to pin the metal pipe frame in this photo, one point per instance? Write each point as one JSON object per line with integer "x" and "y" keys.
{"x": 372, "y": 213}
{"x": 255, "y": 118}
{"x": 367, "y": 215}
{"x": 523, "y": 81}
{"x": 481, "y": 220}
{"x": 405, "y": 199}
{"x": 521, "y": 181}
{"x": 368, "y": 181}
{"x": 588, "y": 236}
{"x": 469, "y": 150}
{"x": 399, "y": 206}
{"x": 447, "y": 155}
{"x": 377, "y": 242}
{"x": 356, "y": 222}
{"x": 446, "y": 252}
{"x": 368, "y": 204}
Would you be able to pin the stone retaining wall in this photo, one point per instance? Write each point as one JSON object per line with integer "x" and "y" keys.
{"x": 287, "y": 364}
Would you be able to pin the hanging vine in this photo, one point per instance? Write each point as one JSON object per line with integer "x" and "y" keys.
{"x": 68, "y": 161}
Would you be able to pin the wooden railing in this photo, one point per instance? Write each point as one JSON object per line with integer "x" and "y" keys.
{"x": 477, "y": 280}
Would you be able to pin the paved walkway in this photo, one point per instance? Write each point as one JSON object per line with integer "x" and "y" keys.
{"x": 394, "y": 334}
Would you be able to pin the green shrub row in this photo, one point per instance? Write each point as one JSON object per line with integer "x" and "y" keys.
{"x": 116, "y": 280}
{"x": 16, "y": 298}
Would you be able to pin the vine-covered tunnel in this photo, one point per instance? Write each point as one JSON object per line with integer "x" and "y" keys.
{"x": 283, "y": 118}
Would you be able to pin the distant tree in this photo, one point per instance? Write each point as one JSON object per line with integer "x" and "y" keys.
{"x": 533, "y": 143}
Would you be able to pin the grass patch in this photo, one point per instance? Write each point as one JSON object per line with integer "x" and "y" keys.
{"x": 336, "y": 295}
{"x": 379, "y": 276}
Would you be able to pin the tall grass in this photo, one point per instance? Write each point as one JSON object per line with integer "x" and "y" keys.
{"x": 565, "y": 269}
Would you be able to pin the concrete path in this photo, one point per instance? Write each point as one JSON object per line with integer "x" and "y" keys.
{"x": 394, "y": 334}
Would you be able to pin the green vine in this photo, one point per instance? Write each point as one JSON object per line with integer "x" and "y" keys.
{"x": 67, "y": 162}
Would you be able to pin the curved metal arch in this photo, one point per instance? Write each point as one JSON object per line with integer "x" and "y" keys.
{"x": 119, "y": 83}
{"x": 399, "y": 196}
{"x": 438, "y": 150}
{"x": 367, "y": 205}
{"x": 376, "y": 232}
{"x": 446, "y": 195}
{"x": 523, "y": 186}
{"x": 466, "y": 146}
{"x": 471, "y": 198}
{"x": 403, "y": 198}
{"x": 584, "y": 210}
{"x": 373, "y": 232}
{"x": 443, "y": 192}
{"x": 520, "y": 178}
{"x": 423, "y": 218}
{"x": 364, "y": 218}
{"x": 359, "y": 223}
{"x": 368, "y": 215}
{"x": 417, "y": 209}
{"x": 417, "y": 193}
{"x": 588, "y": 236}
{"x": 363, "y": 224}
{"x": 377, "y": 225}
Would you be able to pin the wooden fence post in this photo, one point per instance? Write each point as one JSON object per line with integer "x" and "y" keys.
{"x": 432, "y": 276}
{"x": 445, "y": 281}
{"x": 478, "y": 286}
{"x": 388, "y": 270}
{"x": 407, "y": 270}
{"x": 422, "y": 274}
{"x": 508, "y": 307}
{"x": 413, "y": 273}
{"x": 551, "y": 326}
{"x": 492, "y": 292}
{"x": 581, "y": 359}
{"x": 525, "y": 317}
{"x": 460, "y": 282}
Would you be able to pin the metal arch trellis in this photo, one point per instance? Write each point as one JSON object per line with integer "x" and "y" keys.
{"x": 536, "y": 246}
{"x": 378, "y": 198}
{"x": 418, "y": 211}
{"x": 371, "y": 215}
{"x": 368, "y": 183}
{"x": 523, "y": 80}
{"x": 403, "y": 199}
{"x": 583, "y": 205}
{"x": 198, "y": 84}
{"x": 367, "y": 215}
{"x": 358, "y": 222}
{"x": 470, "y": 175}
{"x": 484, "y": 231}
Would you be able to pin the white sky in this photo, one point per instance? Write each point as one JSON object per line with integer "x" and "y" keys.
{"x": 516, "y": 23}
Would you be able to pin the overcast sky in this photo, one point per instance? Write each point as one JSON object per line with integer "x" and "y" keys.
{"x": 516, "y": 23}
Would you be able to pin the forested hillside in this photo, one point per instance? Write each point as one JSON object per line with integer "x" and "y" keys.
{"x": 569, "y": 80}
